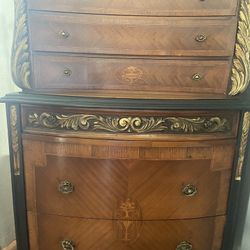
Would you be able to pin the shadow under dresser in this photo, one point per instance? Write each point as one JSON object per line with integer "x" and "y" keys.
{"x": 131, "y": 130}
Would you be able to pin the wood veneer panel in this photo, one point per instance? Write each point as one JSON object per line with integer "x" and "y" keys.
{"x": 140, "y": 7}
{"x": 105, "y": 177}
{"x": 203, "y": 234}
{"x": 90, "y": 73}
{"x": 132, "y": 35}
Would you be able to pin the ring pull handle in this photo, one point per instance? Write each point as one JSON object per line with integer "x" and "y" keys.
{"x": 64, "y": 34}
{"x": 66, "y": 187}
{"x": 68, "y": 245}
{"x": 201, "y": 38}
{"x": 190, "y": 190}
{"x": 197, "y": 77}
{"x": 184, "y": 245}
{"x": 67, "y": 72}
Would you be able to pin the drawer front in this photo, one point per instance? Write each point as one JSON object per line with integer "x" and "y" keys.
{"x": 130, "y": 125}
{"x": 140, "y": 7}
{"x": 205, "y": 234}
{"x": 98, "y": 179}
{"x": 76, "y": 73}
{"x": 148, "y": 36}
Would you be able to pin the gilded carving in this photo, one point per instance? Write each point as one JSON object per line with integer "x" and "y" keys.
{"x": 20, "y": 54}
{"x": 14, "y": 140}
{"x": 241, "y": 63}
{"x": 243, "y": 144}
{"x": 129, "y": 124}
{"x": 129, "y": 224}
{"x": 132, "y": 74}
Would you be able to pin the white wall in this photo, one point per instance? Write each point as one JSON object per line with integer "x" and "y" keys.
{"x": 6, "y": 85}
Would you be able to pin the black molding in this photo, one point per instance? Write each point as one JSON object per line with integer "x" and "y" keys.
{"x": 132, "y": 104}
{"x": 18, "y": 188}
{"x": 238, "y": 201}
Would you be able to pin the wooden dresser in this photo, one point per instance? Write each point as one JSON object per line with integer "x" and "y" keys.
{"x": 131, "y": 129}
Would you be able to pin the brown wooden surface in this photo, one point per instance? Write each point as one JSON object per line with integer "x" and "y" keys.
{"x": 205, "y": 234}
{"x": 123, "y": 35}
{"x": 95, "y": 73}
{"x": 106, "y": 174}
{"x": 140, "y": 7}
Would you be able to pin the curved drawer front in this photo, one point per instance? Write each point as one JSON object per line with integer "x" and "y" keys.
{"x": 205, "y": 234}
{"x": 76, "y": 73}
{"x": 99, "y": 179}
{"x": 149, "y": 36}
{"x": 140, "y": 7}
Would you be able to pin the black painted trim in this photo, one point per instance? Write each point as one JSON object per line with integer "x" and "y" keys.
{"x": 238, "y": 201}
{"x": 18, "y": 188}
{"x": 131, "y": 104}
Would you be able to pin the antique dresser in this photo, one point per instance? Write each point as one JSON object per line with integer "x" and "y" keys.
{"x": 131, "y": 129}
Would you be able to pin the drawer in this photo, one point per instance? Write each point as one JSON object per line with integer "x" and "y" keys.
{"x": 130, "y": 124}
{"x": 130, "y": 35}
{"x": 97, "y": 178}
{"x": 140, "y": 7}
{"x": 74, "y": 73}
{"x": 196, "y": 234}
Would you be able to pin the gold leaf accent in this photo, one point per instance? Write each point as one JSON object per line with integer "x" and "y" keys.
{"x": 129, "y": 124}
{"x": 241, "y": 63}
{"x": 243, "y": 145}
{"x": 14, "y": 140}
{"x": 20, "y": 54}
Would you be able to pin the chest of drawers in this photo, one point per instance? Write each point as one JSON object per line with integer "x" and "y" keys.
{"x": 132, "y": 126}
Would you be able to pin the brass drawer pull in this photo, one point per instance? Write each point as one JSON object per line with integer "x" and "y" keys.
{"x": 64, "y": 34}
{"x": 66, "y": 187}
{"x": 197, "y": 77}
{"x": 68, "y": 245}
{"x": 201, "y": 38}
{"x": 184, "y": 246}
{"x": 67, "y": 72}
{"x": 189, "y": 190}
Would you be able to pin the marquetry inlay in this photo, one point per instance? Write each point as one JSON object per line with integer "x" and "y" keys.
{"x": 129, "y": 223}
{"x": 132, "y": 74}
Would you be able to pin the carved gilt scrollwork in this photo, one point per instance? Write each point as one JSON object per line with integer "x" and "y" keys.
{"x": 14, "y": 140}
{"x": 129, "y": 124}
{"x": 243, "y": 145}
{"x": 241, "y": 62}
{"x": 21, "y": 66}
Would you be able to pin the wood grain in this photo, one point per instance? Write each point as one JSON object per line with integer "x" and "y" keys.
{"x": 96, "y": 73}
{"x": 132, "y": 35}
{"x": 140, "y": 7}
{"x": 106, "y": 174}
{"x": 203, "y": 234}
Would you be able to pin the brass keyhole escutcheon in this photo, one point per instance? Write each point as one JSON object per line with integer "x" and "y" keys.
{"x": 200, "y": 38}
{"x": 68, "y": 245}
{"x": 184, "y": 246}
{"x": 66, "y": 187}
{"x": 190, "y": 190}
{"x": 67, "y": 72}
{"x": 64, "y": 34}
{"x": 196, "y": 77}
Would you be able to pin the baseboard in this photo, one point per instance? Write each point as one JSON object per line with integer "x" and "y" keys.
{"x": 11, "y": 246}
